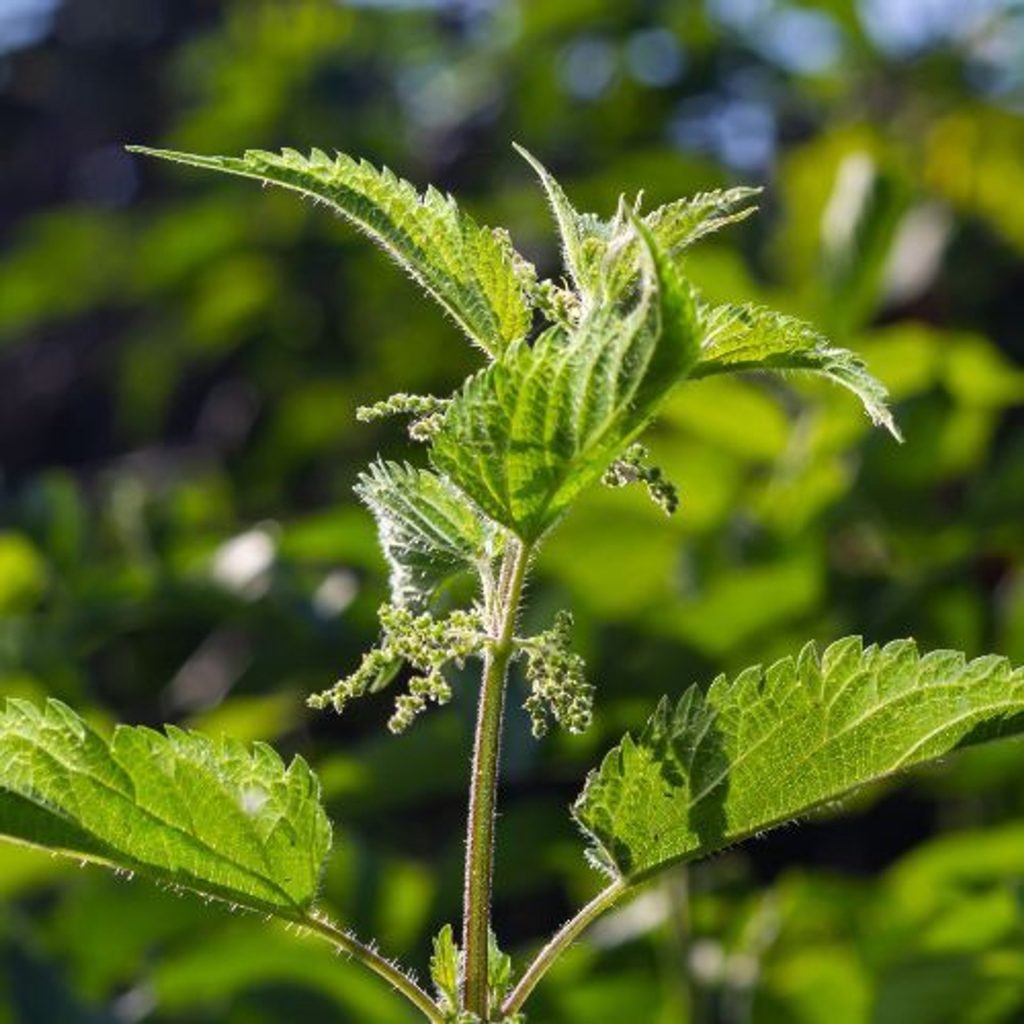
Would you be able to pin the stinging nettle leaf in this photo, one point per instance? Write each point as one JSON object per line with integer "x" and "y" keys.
{"x": 751, "y": 337}
{"x": 220, "y": 818}
{"x": 473, "y": 271}
{"x": 428, "y": 529}
{"x": 769, "y": 745}
{"x": 445, "y": 969}
{"x": 499, "y": 976}
{"x": 527, "y": 434}
{"x": 679, "y": 224}
{"x": 586, "y": 238}
{"x": 735, "y": 337}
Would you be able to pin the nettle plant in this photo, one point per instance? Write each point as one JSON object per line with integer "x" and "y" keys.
{"x": 575, "y": 371}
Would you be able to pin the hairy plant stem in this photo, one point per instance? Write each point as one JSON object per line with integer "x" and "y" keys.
{"x": 677, "y": 953}
{"x": 476, "y": 918}
{"x": 399, "y": 981}
{"x": 561, "y": 941}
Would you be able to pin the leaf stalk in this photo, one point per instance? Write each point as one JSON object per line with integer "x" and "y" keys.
{"x": 369, "y": 957}
{"x": 560, "y": 942}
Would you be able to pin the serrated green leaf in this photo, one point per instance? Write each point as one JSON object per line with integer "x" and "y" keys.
{"x": 751, "y": 337}
{"x": 527, "y": 434}
{"x": 471, "y": 270}
{"x": 428, "y": 529}
{"x": 444, "y": 969}
{"x": 584, "y": 236}
{"x": 499, "y": 973}
{"x": 736, "y": 337}
{"x": 768, "y": 746}
{"x": 677, "y": 225}
{"x": 220, "y": 818}
{"x": 587, "y": 238}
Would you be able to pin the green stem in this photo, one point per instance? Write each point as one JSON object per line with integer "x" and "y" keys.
{"x": 561, "y": 941}
{"x": 391, "y": 973}
{"x": 679, "y": 930}
{"x": 476, "y": 919}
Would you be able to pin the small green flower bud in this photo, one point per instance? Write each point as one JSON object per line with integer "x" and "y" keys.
{"x": 558, "y": 685}
{"x": 402, "y": 404}
{"x": 630, "y": 468}
{"x": 424, "y": 643}
{"x": 424, "y": 428}
{"x": 558, "y": 305}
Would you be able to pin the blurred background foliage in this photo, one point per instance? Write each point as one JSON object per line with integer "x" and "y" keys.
{"x": 180, "y": 361}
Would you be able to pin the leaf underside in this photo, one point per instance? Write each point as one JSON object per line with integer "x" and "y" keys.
{"x": 527, "y": 434}
{"x": 218, "y": 818}
{"x": 772, "y": 744}
{"x": 428, "y": 530}
{"x": 471, "y": 270}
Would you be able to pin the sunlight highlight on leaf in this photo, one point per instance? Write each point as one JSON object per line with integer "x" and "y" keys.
{"x": 772, "y": 744}
{"x": 220, "y": 818}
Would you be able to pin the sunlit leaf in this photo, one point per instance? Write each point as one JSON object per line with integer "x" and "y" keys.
{"x": 587, "y": 238}
{"x": 428, "y": 530}
{"x": 772, "y": 744}
{"x": 584, "y": 236}
{"x": 219, "y": 818}
{"x": 445, "y": 971}
{"x": 752, "y": 337}
{"x": 679, "y": 224}
{"x": 471, "y": 270}
{"x": 527, "y": 434}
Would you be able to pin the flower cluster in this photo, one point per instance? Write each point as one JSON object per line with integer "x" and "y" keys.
{"x": 558, "y": 687}
{"x": 631, "y": 468}
{"x": 558, "y": 305}
{"x": 427, "y": 410}
{"x": 423, "y": 642}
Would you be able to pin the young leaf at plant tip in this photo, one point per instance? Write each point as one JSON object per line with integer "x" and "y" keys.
{"x": 586, "y": 238}
{"x": 525, "y": 436}
{"x": 733, "y": 338}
